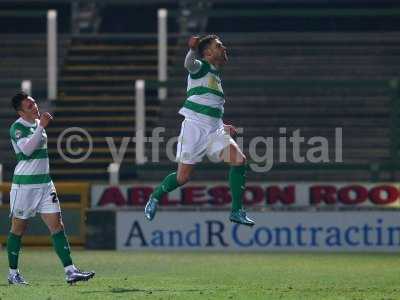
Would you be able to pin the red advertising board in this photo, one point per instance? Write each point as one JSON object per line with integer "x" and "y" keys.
{"x": 257, "y": 194}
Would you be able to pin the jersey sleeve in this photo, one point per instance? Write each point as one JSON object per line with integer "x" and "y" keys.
{"x": 18, "y": 131}
{"x": 26, "y": 141}
{"x": 192, "y": 64}
{"x": 205, "y": 68}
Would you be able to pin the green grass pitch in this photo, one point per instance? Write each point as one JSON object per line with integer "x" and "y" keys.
{"x": 191, "y": 275}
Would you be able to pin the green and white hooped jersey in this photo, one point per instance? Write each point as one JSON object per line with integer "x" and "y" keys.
{"x": 31, "y": 171}
{"x": 205, "y": 97}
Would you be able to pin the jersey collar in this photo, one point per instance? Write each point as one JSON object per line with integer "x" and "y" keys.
{"x": 26, "y": 123}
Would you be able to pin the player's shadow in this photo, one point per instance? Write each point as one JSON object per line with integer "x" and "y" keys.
{"x": 149, "y": 291}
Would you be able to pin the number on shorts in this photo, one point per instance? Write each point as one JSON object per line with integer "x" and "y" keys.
{"x": 54, "y": 198}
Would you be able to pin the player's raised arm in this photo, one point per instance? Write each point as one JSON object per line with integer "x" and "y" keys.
{"x": 45, "y": 119}
{"x": 192, "y": 64}
{"x": 28, "y": 145}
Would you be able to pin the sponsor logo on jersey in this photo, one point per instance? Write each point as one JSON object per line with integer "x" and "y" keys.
{"x": 18, "y": 134}
{"x": 214, "y": 83}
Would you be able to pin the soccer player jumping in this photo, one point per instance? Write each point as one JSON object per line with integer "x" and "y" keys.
{"x": 32, "y": 190}
{"x": 202, "y": 130}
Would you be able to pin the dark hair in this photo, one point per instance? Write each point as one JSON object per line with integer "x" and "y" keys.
{"x": 204, "y": 42}
{"x": 17, "y": 100}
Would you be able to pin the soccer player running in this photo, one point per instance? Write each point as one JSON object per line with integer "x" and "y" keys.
{"x": 202, "y": 130}
{"x": 32, "y": 190}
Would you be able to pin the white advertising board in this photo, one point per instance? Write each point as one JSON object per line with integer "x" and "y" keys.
{"x": 274, "y": 231}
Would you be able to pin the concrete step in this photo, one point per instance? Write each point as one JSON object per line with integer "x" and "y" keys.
{"x": 274, "y": 176}
{"x": 114, "y": 60}
{"x": 330, "y": 71}
{"x": 306, "y": 122}
{"x": 233, "y": 110}
{"x": 299, "y": 60}
{"x": 132, "y": 73}
{"x": 94, "y": 161}
{"x": 312, "y": 37}
{"x": 315, "y": 50}
{"x": 101, "y": 129}
{"x": 264, "y": 101}
{"x": 110, "y": 68}
{"x": 110, "y": 80}
{"x": 351, "y": 132}
{"x": 112, "y": 48}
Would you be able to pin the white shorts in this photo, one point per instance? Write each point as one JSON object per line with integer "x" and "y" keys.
{"x": 197, "y": 139}
{"x": 26, "y": 202}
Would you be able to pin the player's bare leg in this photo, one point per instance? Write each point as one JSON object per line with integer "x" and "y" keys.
{"x": 18, "y": 227}
{"x": 170, "y": 183}
{"x": 237, "y": 160}
{"x": 62, "y": 248}
{"x": 53, "y": 222}
{"x": 184, "y": 173}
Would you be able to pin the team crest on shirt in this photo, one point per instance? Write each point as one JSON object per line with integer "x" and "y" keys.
{"x": 18, "y": 134}
{"x": 214, "y": 83}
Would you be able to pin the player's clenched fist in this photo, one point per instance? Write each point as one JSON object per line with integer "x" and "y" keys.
{"x": 231, "y": 130}
{"x": 45, "y": 119}
{"x": 193, "y": 42}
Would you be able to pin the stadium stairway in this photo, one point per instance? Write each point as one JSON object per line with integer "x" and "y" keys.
{"x": 23, "y": 58}
{"x": 309, "y": 81}
{"x": 97, "y": 94}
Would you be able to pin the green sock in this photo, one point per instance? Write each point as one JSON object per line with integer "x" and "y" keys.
{"x": 61, "y": 246}
{"x": 167, "y": 185}
{"x": 13, "y": 247}
{"x": 237, "y": 181}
